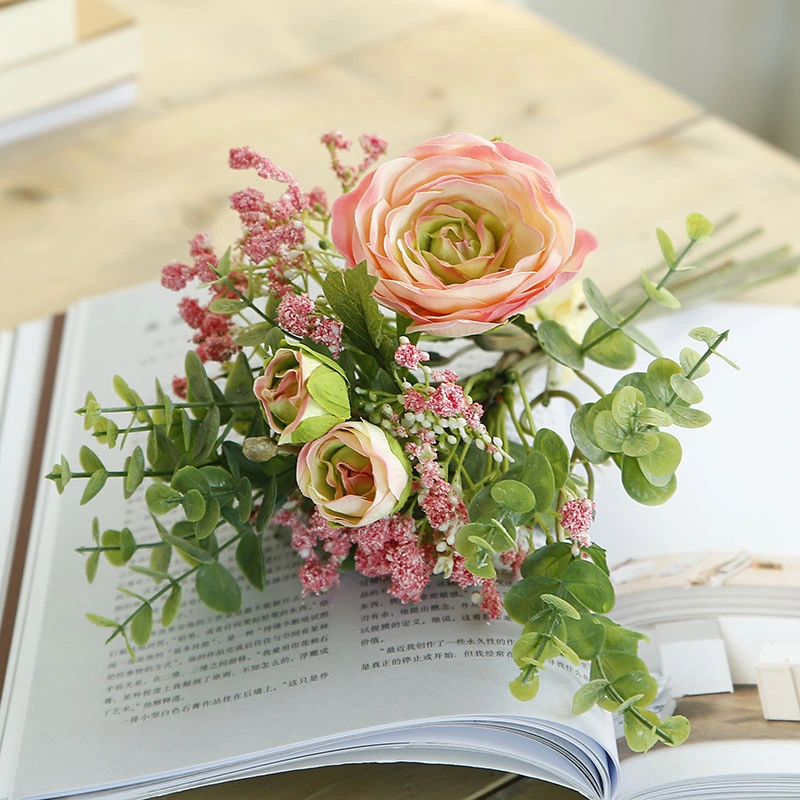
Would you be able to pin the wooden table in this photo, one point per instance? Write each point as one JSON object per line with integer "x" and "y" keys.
{"x": 105, "y": 204}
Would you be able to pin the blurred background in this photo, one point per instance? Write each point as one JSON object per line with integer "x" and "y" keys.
{"x": 738, "y": 58}
{"x": 116, "y": 115}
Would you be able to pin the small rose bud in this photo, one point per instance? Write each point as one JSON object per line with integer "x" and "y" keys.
{"x": 259, "y": 448}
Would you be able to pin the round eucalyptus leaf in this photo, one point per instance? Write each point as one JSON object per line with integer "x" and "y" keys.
{"x": 640, "y": 489}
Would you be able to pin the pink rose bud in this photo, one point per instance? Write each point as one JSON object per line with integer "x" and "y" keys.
{"x": 461, "y": 233}
{"x": 355, "y": 474}
{"x": 304, "y": 394}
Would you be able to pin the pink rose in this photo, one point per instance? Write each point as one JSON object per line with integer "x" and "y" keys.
{"x": 462, "y": 233}
{"x": 355, "y": 474}
{"x": 304, "y": 394}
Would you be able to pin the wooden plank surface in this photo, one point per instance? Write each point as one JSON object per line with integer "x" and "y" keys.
{"x": 109, "y": 207}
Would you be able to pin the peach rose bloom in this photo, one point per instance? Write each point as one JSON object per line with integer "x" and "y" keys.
{"x": 354, "y": 474}
{"x": 462, "y": 233}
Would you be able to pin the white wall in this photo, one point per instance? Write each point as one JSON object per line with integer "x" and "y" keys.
{"x": 738, "y": 58}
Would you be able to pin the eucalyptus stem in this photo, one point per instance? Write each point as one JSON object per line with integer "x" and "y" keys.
{"x": 647, "y": 300}
{"x": 517, "y": 378}
{"x": 160, "y": 406}
{"x": 693, "y": 371}
{"x": 543, "y": 398}
{"x": 172, "y": 582}
{"x": 117, "y": 548}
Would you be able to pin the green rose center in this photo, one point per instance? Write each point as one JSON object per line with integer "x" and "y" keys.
{"x": 459, "y": 241}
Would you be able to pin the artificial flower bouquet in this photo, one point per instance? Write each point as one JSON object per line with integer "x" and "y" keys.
{"x": 323, "y": 401}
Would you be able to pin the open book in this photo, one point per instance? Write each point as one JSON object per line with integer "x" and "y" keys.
{"x": 351, "y": 676}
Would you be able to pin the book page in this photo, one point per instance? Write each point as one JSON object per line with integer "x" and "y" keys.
{"x": 737, "y": 472}
{"x": 279, "y": 674}
{"x": 754, "y": 768}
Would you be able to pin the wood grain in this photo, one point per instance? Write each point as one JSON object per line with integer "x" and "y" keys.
{"x": 108, "y": 208}
{"x": 362, "y": 782}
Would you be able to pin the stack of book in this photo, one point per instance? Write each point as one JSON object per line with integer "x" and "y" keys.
{"x": 62, "y": 61}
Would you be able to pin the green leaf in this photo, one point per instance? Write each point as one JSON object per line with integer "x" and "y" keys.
{"x": 667, "y": 248}
{"x": 676, "y": 728}
{"x": 124, "y": 541}
{"x": 598, "y": 556}
{"x": 698, "y": 227}
{"x": 101, "y": 622}
{"x": 640, "y": 489}
{"x": 538, "y": 474}
{"x": 197, "y": 386}
{"x": 142, "y": 625}
{"x": 639, "y": 444}
{"x": 244, "y": 499}
{"x": 189, "y": 477}
{"x": 92, "y": 563}
{"x": 586, "y": 444}
{"x": 524, "y": 690}
{"x": 566, "y": 651}
{"x": 161, "y": 498}
{"x": 628, "y": 675}
{"x": 194, "y": 505}
{"x": 207, "y": 524}
{"x": 89, "y": 460}
{"x": 514, "y": 496}
{"x": 639, "y": 735}
{"x": 626, "y": 405}
{"x": 160, "y": 557}
{"x": 561, "y": 605}
{"x": 134, "y": 472}
{"x": 599, "y": 304}
{"x": 239, "y": 385}
{"x": 686, "y": 417}
{"x": 206, "y": 436}
{"x": 226, "y": 305}
{"x": 641, "y": 339}
{"x": 664, "y": 459}
{"x": 350, "y": 296}
{"x": 218, "y": 589}
{"x": 483, "y": 507}
{"x": 253, "y": 335}
{"x": 250, "y": 558}
{"x": 687, "y": 390}
{"x": 654, "y": 416}
{"x": 689, "y": 359}
{"x": 189, "y": 549}
{"x": 608, "y": 433}
{"x": 171, "y": 605}
{"x": 589, "y": 585}
{"x": 91, "y": 411}
{"x": 559, "y": 345}
{"x": 156, "y": 575}
{"x": 661, "y": 296}
{"x": 587, "y": 696}
{"x": 550, "y": 561}
{"x": 553, "y": 448}
{"x": 523, "y": 599}
{"x": 659, "y": 378}
{"x": 616, "y": 351}
{"x": 131, "y": 398}
{"x": 95, "y": 483}
{"x": 267, "y": 507}
{"x": 585, "y": 635}
{"x": 223, "y": 268}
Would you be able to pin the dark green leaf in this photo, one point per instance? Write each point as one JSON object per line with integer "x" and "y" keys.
{"x": 553, "y": 448}
{"x": 250, "y": 558}
{"x": 207, "y": 524}
{"x": 160, "y": 557}
{"x": 197, "y": 383}
{"x": 267, "y": 507}
{"x": 640, "y": 489}
{"x": 189, "y": 477}
{"x": 589, "y": 585}
{"x": 218, "y": 589}
{"x": 194, "y": 505}
{"x": 523, "y": 600}
{"x": 549, "y": 561}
